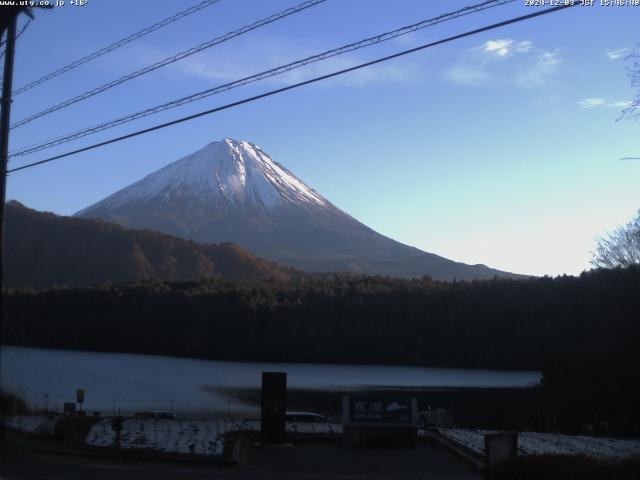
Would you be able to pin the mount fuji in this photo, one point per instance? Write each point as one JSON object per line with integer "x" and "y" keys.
{"x": 232, "y": 191}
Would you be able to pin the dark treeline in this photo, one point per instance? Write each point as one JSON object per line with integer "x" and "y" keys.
{"x": 582, "y": 332}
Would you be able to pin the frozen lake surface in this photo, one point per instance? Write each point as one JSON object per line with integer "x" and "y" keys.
{"x": 130, "y": 382}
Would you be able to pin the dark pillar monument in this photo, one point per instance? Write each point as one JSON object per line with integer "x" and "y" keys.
{"x": 501, "y": 455}
{"x": 274, "y": 407}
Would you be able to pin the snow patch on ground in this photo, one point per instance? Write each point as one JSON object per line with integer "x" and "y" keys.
{"x": 533, "y": 443}
{"x": 206, "y": 437}
{"x": 198, "y": 437}
{"x": 40, "y": 424}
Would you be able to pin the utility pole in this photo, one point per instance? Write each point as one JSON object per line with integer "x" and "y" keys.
{"x": 9, "y": 19}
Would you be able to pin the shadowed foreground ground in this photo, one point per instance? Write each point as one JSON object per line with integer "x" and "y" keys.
{"x": 318, "y": 460}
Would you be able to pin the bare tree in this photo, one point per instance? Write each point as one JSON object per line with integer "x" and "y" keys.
{"x": 620, "y": 248}
{"x": 633, "y": 109}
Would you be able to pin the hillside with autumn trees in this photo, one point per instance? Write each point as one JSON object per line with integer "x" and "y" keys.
{"x": 44, "y": 249}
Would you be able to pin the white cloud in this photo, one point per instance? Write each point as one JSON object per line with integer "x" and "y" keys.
{"x": 617, "y": 54}
{"x": 505, "y": 61}
{"x": 619, "y": 104}
{"x": 506, "y": 46}
{"x": 468, "y": 75}
{"x": 198, "y": 67}
{"x": 537, "y": 72}
{"x": 499, "y": 47}
{"x": 591, "y": 102}
{"x": 399, "y": 72}
{"x": 250, "y": 59}
{"x": 549, "y": 58}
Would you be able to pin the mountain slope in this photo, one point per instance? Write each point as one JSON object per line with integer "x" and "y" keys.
{"x": 233, "y": 191}
{"x": 43, "y": 249}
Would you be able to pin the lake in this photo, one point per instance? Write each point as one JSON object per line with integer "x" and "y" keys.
{"x": 129, "y": 382}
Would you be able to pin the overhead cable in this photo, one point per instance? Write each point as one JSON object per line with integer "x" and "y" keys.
{"x": 256, "y": 77}
{"x": 98, "y": 53}
{"x": 296, "y": 85}
{"x": 169, "y": 60}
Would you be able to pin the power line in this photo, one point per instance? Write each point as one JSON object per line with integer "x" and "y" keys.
{"x": 24, "y": 27}
{"x": 296, "y": 85}
{"x": 115, "y": 45}
{"x": 179, "y": 56}
{"x": 259, "y": 76}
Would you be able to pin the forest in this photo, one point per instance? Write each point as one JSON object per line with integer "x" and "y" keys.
{"x": 581, "y": 332}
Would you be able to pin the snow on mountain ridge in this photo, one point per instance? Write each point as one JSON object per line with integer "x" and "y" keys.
{"x": 232, "y": 191}
{"x": 231, "y": 171}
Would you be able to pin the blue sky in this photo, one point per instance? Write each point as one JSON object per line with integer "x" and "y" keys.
{"x": 502, "y": 148}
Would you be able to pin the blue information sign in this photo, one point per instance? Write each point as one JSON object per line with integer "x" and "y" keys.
{"x": 379, "y": 410}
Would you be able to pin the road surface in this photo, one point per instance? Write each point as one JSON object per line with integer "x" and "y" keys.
{"x": 318, "y": 461}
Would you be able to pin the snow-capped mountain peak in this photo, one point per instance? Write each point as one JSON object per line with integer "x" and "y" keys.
{"x": 232, "y": 191}
{"x": 226, "y": 172}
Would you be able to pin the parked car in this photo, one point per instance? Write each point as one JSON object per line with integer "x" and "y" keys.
{"x": 305, "y": 417}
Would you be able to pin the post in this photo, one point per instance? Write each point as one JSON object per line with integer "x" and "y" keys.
{"x": 274, "y": 407}
{"x": 80, "y": 398}
{"x": 117, "y": 423}
{"x": 501, "y": 455}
